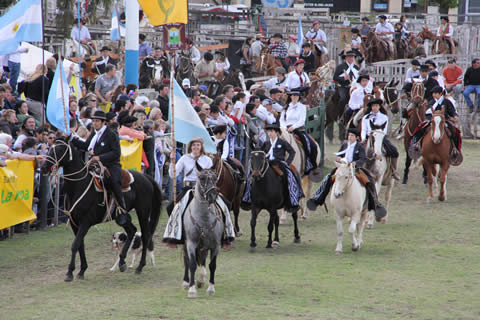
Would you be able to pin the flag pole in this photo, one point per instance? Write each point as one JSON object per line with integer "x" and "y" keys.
{"x": 43, "y": 64}
{"x": 79, "y": 80}
{"x": 63, "y": 98}
{"x": 174, "y": 144}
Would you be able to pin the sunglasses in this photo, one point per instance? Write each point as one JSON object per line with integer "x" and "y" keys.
{"x": 207, "y": 108}
{"x": 93, "y": 100}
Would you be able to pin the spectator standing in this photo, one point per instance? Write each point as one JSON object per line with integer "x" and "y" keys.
{"x": 246, "y": 56}
{"x": 144, "y": 49}
{"x": 22, "y": 112}
{"x": 257, "y": 45}
{"x": 364, "y": 28}
{"x": 14, "y": 66}
{"x": 32, "y": 88}
{"x": 471, "y": 82}
{"x": 106, "y": 84}
{"x": 163, "y": 100}
{"x": 205, "y": 70}
{"x": 28, "y": 130}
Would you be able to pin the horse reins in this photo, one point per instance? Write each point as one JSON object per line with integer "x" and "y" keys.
{"x": 263, "y": 170}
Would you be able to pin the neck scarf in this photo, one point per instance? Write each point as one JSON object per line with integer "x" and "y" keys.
{"x": 270, "y": 152}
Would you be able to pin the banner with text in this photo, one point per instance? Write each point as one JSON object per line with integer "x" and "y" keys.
{"x": 131, "y": 158}
{"x": 16, "y": 193}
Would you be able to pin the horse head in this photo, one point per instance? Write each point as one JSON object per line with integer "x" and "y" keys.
{"x": 206, "y": 187}
{"x": 391, "y": 95}
{"x": 375, "y": 140}
{"x": 438, "y": 125}
{"x": 258, "y": 164}
{"x": 60, "y": 155}
{"x": 418, "y": 92}
{"x": 343, "y": 177}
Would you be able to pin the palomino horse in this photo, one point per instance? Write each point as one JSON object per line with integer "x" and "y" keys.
{"x": 229, "y": 187}
{"x": 439, "y": 45}
{"x": 86, "y": 207}
{"x": 378, "y": 166}
{"x": 265, "y": 63}
{"x": 349, "y": 198}
{"x": 379, "y": 49}
{"x": 203, "y": 233}
{"x": 299, "y": 164}
{"x": 417, "y": 116}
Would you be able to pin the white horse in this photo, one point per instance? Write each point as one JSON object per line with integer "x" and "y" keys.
{"x": 379, "y": 168}
{"x": 349, "y": 198}
{"x": 299, "y": 164}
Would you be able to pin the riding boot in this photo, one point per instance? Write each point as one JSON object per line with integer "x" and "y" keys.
{"x": 393, "y": 164}
{"x": 373, "y": 203}
{"x": 322, "y": 192}
{"x": 117, "y": 192}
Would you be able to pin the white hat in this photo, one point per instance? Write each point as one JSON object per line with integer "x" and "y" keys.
{"x": 186, "y": 82}
{"x": 142, "y": 101}
{"x": 3, "y": 148}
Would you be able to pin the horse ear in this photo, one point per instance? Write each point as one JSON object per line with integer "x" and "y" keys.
{"x": 199, "y": 167}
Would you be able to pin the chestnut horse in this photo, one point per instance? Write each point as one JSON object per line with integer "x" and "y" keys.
{"x": 439, "y": 45}
{"x": 379, "y": 49}
{"x": 266, "y": 63}
{"x": 436, "y": 146}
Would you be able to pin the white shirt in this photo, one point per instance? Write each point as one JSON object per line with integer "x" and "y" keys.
{"x": 256, "y": 48}
{"x": 238, "y": 109}
{"x": 265, "y": 115}
{"x": 84, "y": 33}
{"x": 351, "y": 69}
{"x": 411, "y": 74}
{"x": 226, "y": 148}
{"x": 316, "y": 35}
{"x": 437, "y": 102}
{"x": 275, "y": 83}
{"x": 449, "y": 32}
{"x": 277, "y": 107}
{"x": 348, "y": 152}
{"x": 195, "y": 55}
{"x": 369, "y": 86}
{"x": 378, "y": 120}
{"x": 226, "y": 119}
{"x": 293, "y": 80}
{"x": 296, "y": 116}
{"x": 15, "y": 56}
{"x": 270, "y": 152}
{"x": 223, "y": 65}
{"x": 96, "y": 137}
{"x": 293, "y": 48}
{"x": 357, "y": 96}
{"x": 186, "y": 165}
{"x": 386, "y": 27}
{"x": 356, "y": 42}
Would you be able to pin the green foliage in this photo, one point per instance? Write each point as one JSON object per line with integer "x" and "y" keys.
{"x": 441, "y": 3}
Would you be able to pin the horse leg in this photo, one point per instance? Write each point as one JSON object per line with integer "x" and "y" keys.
{"x": 428, "y": 169}
{"x": 408, "y": 162}
{"x": 203, "y": 271}
{"x": 212, "y": 266}
{"x": 77, "y": 242}
{"x": 270, "y": 228}
{"x": 186, "y": 279}
{"x": 146, "y": 238}
{"x": 435, "y": 173}
{"x": 296, "y": 233}
{"x": 192, "y": 259}
{"x": 83, "y": 261}
{"x": 443, "y": 183}
{"x": 361, "y": 227}
{"x": 276, "y": 223}
{"x": 130, "y": 230}
{"x": 329, "y": 132}
{"x": 307, "y": 186}
{"x": 388, "y": 196}
{"x": 283, "y": 216}
{"x": 253, "y": 223}
{"x": 353, "y": 230}
{"x": 339, "y": 248}
{"x": 236, "y": 212}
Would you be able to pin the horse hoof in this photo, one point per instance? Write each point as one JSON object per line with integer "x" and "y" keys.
{"x": 440, "y": 198}
{"x": 80, "y": 277}
{"x": 369, "y": 225}
{"x": 138, "y": 271}
{"x": 69, "y": 278}
{"x": 210, "y": 290}
{"x": 338, "y": 251}
{"x": 297, "y": 240}
{"x": 238, "y": 234}
{"x": 123, "y": 267}
{"x": 192, "y": 292}
{"x": 383, "y": 220}
{"x": 200, "y": 284}
{"x": 269, "y": 246}
{"x": 275, "y": 244}
{"x": 355, "y": 248}
{"x": 185, "y": 285}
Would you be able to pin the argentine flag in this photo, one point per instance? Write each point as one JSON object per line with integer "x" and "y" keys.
{"x": 187, "y": 122}
{"x": 114, "y": 30}
{"x": 23, "y": 22}
{"x": 300, "y": 37}
{"x": 57, "y": 108}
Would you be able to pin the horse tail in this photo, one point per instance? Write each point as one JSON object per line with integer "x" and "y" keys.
{"x": 156, "y": 205}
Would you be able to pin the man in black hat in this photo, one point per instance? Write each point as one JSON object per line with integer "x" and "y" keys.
{"x": 445, "y": 31}
{"x": 353, "y": 152}
{"x": 104, "y": 145}
{"x": 153, "y": 68}
{"x": 432, "y": 82}
{"x": 345, "y": 75}
{"x": 279, "y": 49}
{"x": 101, "y": 62}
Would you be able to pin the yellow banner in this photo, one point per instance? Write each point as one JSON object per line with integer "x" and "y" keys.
{"x": 131, "y": 158}
{"x": 16, "y": 193}
{"x": 165, "y": 11}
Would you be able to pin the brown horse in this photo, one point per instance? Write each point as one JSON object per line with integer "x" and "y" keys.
{"x": 436, "y": 146}
{"x": 266, "y": 63}
{"x": 229, "y": 186}
{"x": 417, "y": 116}
{"x": 439, "y": 45}
{"x": 401, "y": 45}
{"x": 415, "y": 49}
{"x": 379, "y": 49}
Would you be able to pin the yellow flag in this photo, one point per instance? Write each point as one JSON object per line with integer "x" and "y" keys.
{"x": 131, "y": 158}
{"x": 165, "y": 11}
{"x": 75, "y": 87}
{"x": 16, "y": 193}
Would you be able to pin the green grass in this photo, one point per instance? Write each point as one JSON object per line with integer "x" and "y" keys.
{"x": 424, "y": 264}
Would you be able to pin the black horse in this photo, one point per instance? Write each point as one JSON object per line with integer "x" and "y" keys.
{"x": 267, "y": 193}
{"x": 87, "y": 207}
{"x": 333, "y": 113}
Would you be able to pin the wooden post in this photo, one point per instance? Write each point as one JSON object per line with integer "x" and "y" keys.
{"x": 174, "y": 144}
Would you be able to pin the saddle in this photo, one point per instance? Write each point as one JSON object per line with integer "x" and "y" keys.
{"x": 360, "y": 175}
{"x": 277, "y": 170}
{"x": 127, "y": 180}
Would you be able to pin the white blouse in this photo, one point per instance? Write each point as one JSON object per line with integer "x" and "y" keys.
{"x": 295, "y": 116}
{"x": 293, "y": 80}
{"x": 186, "y": 166}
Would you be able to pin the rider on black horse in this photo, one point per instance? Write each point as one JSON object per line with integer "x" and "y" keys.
{"x": 223, "y": 149}
{"x": 354, "y": 152}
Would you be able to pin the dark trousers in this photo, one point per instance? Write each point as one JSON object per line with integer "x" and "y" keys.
{"x": 171, "y": 205}
{"x": 113, "y": 182}
{"x": 310, "y": 154}
{"x": 390, "y": 150}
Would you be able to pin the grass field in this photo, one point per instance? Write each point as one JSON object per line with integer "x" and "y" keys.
{"x": 424, "y": 264}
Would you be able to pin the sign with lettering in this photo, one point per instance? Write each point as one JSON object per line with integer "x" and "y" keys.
{"x": 174, "y": 36}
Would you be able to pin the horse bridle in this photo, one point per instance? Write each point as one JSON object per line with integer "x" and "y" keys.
{"x": 387, "y": 98}
{"x": 204, "y": 190}
{"x": 263, "y": 170}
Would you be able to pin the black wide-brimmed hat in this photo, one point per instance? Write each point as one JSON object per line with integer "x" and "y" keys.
{"x": 363, "y": 76}
{"x": 375, "y": 101}
{"x": 350, "y": 53}
{"x": 294, "y": 93}
{"x": 354, "y": 131}
{"x": 273, "y": 126}
{"x": 424, "y": 68}
{"x": 219, "y": 129}
{"x": 99, "y": 114}
{"x": 105, "y": 48}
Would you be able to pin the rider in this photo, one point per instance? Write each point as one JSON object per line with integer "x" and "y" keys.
{"x": 357, "y": 44}
{"x": 353, "y": 152}
{"x": 319, "y": 38}
{"x": 275, "y": 149}
{"x": 104, "y": 60}
{"x": 279, "y": 49}
{"x": 84, "y": 37}
{"x": 357, "y": 96}
{"x": 192, "y": 51}
{"x": 293, "y": 119}
{"x": 297, "y": 80}
{"x": 421, "y": 77}
{"x": 144, "y": 49}
{"x": 279, "y": 81}
{"x": 385, "y": 30}
{"x": 307, "y": 56}
{"x": 445, "y": 31}
{"x": 451, "y": 117}
{"x": 205, "y": 71}
{"x": 158, "y": 58}
{"x": 103, "y": 146}
{"x": 345, "y": 75}
{"x": 376, "y": 114}
{"x": 223, "y": 149}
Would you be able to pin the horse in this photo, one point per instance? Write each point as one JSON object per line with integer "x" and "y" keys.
{"x": 439, "y": 45}
{"x": 378, "y": 49}
{"x": 266, "y": 63}
{"x": 152, "y": 73}
{"x": 320, "y": 79}
{"x": 299, "y": 164}
{"x": 417, "y": 117}
{"x": 229, "y": 187}
{"x": 415, "y": 49}
{"x": 401, "y": 46}
{"x": 436, "y": 146}
{"x": 333, "y": 114}
{"x": 267, "y": 193}
{"x": 378, "y": 166}
{"x": 349, "y": 198}
{"x": 88, "y": 207}
{"x": 215, "y": 88}
{"x": 204, "y": 227}
{"x": 185, "y": 70}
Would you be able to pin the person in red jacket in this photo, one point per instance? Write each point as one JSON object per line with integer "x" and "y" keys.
{"x": 453, "y": 76}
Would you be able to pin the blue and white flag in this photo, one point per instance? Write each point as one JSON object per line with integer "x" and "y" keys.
{"x": 57, "y": 106}
{"x": 187, "y": 122}
{"x": 23, "y": 22}
{"x": 114, "y": 30}
{"x": 300, "y": 37}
